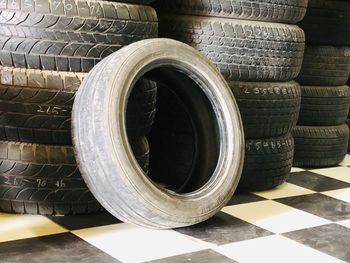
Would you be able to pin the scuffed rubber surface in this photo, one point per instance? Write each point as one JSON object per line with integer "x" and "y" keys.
{"x": 324, "y": 106}
{"x": 242, "y": 50}
{"x": 71, "y": 35}
{"x": 325, "y": 66}
{"x": 282, "y": 11}
{"x": 267, "y": 164}
{"x": 268, "y": 109}
{"x": 319, "y": 147}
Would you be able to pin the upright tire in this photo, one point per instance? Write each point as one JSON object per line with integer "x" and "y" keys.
{"x": 281, "y": 11}
{"x": 325, "y": 66}
{"x": 268, "y": 109}
{"x": 267, "y": 163}
{"x": 103, "y": 150}
{"x": 70, "y": 35}
{"x": 242, "y": 50}
{"x": 317, "y": 147}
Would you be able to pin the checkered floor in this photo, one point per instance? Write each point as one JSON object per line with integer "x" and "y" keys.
{"x": 305, "y": 220}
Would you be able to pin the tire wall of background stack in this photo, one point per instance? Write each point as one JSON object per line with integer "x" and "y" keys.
{"x": 69, "y": 35}
{"x": 267, "y": 163}
{"x": 142, "y": 2}
{"x": 268, "y": 109}
{"x": 348, "y": 123}
{"x": 35, "y": 105}
{"x": 327, "y": 22}
{"x": 242, "y": 50}
{"x": 44, "y": 179}
{"x": 325, "y": 66}
{"x": 322, "y": 146}
{"x": 282, "y": 11}
{"x": 324, "y": 106}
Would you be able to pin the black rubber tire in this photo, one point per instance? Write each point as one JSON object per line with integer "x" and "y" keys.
{"x": 242, "y": 50}
{"x": 267, "y": 164}
{"x": 327, "y": 22}
{"x": 348, "y": 123}
{"x": 268, "y": 109}
{"x": 141, "y": 109}
{"x": 35, "y": 105}
{"x": 325, "y": 66}
{"x": 140, "y": 148}
{"x": 142, "y": 2}
{"x": 72, "y": 35}
{"x": 324, "y": 106}
{"x": 318, "y": 147}
{"x": 120, "y": 185}
{"x": 42, "y": 179}
{"x": 281, "y": 11}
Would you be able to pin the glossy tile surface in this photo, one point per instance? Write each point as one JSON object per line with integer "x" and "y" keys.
{"x": 304, "y": 220}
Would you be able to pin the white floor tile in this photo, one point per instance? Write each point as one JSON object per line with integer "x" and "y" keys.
{"x": 273, "y": 249}
{"x": 129, "y": 243}
{"x": 284, "y": 190}
{"x": 296, "y": 169}
{"x": 275, "y": 217}
{"x": 341, "y": 194}
{"x": 346, "y": 161}
{"x": 339, "y": 173}
{"x": 345, "y": 223}
{"x": 13, "y": 227}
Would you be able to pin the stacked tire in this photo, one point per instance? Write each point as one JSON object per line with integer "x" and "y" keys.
{"x": 348, "y": 120}
{"x": 46, "y": 48}
{"x": 321, "y": 137}
{"x": 259, "y": 52}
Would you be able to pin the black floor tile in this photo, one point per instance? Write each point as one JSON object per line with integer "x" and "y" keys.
{"x": 204, "y": 256}
{"x": 54, "y": 248}
{"x": 316, "y": 182}
{"x": 224, "y": 228}
{"x": 238, "y": 199}
{"x": 320, "y": 205}
{"x": 331, "y": 239}
{"x": 85, "y": 221}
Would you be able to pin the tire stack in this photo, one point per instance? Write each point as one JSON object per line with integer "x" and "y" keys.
{"x": 259, "y": 52}
{"x": 46, "y": 48}
{"x": 348, "y": 121}
{"x": 321, "y": 137}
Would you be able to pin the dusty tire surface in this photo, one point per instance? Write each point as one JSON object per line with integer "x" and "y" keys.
{"x": 319, "y": 147}
{"x": 132, "y": 196}
{"x": 242, "y": 50}
{"x": 325, "y": 66}
{"x": 348, "y": 123}
{"x": 268, "y": 163}
{"x": 42, "y": 179}
{"x": 281, "y": 11}
{"x": 140, "y": 148}
{"x": 69, "y": 35}
{"x": 142, "y": 2}
{"x": 268, "y": 109}
{"x": 324, "y": 106}
{"x": 36, "y": 105}
{"x": 327, "y": 18}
